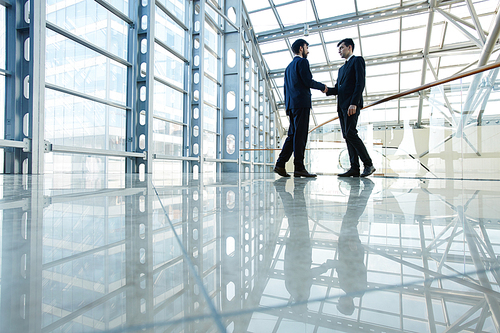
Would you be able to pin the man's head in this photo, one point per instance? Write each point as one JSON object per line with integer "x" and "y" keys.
{"x": 300, "y": 47}
{"x": 346, "y": 47}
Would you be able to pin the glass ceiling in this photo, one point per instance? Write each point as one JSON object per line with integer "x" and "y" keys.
{"x": 391, "y": 36}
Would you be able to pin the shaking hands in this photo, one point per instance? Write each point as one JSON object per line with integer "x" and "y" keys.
{"x": 326, "y": 89}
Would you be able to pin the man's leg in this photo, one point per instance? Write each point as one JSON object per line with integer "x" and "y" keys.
{"x": 358, "y": 146}
{"x": 346, "y": 123}
{"x": 301, "y": 123}
{"x": 286, "y": 150}
{"x": 355, "y": 141}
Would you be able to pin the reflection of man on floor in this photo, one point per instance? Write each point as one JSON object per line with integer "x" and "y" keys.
{"x": 298, "y": 250}
{"x": 350, "y": 266}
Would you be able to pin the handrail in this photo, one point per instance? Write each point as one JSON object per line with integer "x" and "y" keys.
{"x": 422, "y": 87}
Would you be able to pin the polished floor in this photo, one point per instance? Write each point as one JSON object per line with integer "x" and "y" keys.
{"x": 248, "y": 253}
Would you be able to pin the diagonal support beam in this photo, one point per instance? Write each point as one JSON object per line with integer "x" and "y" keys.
{"x": 475, "y": 19}
{"x": 483, "y": 59}
{"x": 452, "y": 19}
{"x": 425, "y": 52}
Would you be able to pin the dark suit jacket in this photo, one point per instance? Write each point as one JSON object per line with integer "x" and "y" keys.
{"x": 298, "y": 84}
{"x": 350, "y": 84}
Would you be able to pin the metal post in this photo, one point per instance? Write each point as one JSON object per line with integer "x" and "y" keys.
{"x": 195, "y": 131}
{"x": 140, "y": 133}
{"x": 17, "y": 106}
{"x": 37, "y": 86}
{"x": 424, "y": 61}
{"x": 133, "y": 114}
{"x": 232, "y": 135}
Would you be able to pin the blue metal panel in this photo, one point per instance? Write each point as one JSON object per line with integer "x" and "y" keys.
{"x": 139, "y": 136}
{"x": 195, "y": 141}
{"x": 232, "y": 126}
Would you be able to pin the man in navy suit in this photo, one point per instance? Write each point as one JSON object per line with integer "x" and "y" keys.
{"x": 298, "y": 84}
{"x": 349, "y": 88}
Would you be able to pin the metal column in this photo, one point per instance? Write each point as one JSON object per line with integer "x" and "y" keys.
{"x": 140, "y": 118}
{"x": 232, "y": 89}
{"x": 18, "y": 104}
{"x": 195, "y": 130}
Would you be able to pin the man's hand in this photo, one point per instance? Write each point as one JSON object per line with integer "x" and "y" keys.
{"x": 326, "y": 90}
{"x": 351, "y": 110}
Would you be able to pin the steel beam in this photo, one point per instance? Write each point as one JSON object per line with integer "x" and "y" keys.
{"x": 464, "y": 31}
{"x": 462, "y": 48}
{"x": 475, "y": 19}
{"x": 140, "y": 92}
{"x": 345, "y": 21}
{"x": 467, "y": 110}
{"x": 16, "y": 104}
{"x": 196, "y": 128}
{"x": 115, "y": 11}
{"x": 336, "y": 23}
{"x": 425, "y": 51}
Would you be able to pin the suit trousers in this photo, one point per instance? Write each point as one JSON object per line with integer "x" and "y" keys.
{"x": 296, "y": 140}
{"x": 355, "y": 145}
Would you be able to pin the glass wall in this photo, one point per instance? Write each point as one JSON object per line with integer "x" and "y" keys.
{"x": 82, "y": 81}
{"x": 117, "y": 89}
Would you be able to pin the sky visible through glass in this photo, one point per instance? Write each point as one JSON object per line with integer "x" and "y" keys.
{"x": 391, "y": 36}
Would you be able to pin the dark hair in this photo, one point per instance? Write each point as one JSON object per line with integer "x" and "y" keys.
{"x": 297, "y": 44}
{"x": 347, "y": 42}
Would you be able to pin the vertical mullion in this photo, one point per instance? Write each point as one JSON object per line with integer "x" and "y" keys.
{"x": 231, "y": 88}
{"x": 132, "y": 114}
{"x": 143, "y": 99}
{"x": 198, "y": 79}
{"x": 37, "y": 86}
{"x": 16, "y": 104}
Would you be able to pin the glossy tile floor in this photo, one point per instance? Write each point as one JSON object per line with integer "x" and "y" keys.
{"x": 246, "y": 253}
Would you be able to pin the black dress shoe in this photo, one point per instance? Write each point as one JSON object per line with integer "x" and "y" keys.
{"x": 349, "y": 173}
{"x": 368, "y": 171}
{"x": 303, "y": 173}
{"x": 281, "y": 171}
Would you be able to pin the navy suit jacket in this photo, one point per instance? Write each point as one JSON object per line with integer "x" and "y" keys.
{"x": 298, "y": 84}
{"x": 350, "y": 84}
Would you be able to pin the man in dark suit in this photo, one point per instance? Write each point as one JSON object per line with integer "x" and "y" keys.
{"x": 349, "y": 88}
{"x": 298, "y": 84}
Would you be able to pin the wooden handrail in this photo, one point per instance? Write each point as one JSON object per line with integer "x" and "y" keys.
{"x": 423, "y": 87}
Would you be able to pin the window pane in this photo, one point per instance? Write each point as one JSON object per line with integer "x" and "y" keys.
{"x": 210, "y": 91}
{"x": 211, "y": 65}
{"x": 209, "y": 118}
{"x": 211, "y": 37}
{"x": 121, "y": 5}
{"x": 167, "y": 138}
{"x": 92, "y": 22}
{"x": 176, "y": 7}
{"x": 78, "y": 122}
{"x": 169, "y": 32}
{"x": 168, "y": 103}
{"x": 169, "y": 67}
{"x": 209, "y": 145}
{"x": 73, "y": 66}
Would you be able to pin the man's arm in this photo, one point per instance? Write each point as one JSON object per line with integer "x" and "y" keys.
{"x": 306, "y": 76}
{"x": 333, "y": 91}
{"x": 360, "y": 73}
